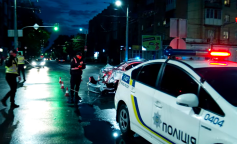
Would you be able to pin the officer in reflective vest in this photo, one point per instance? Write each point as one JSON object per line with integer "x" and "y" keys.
{"x": 21, "y": 64}
{"x": 77, "y": 66}
{"x": 11, "y": 75}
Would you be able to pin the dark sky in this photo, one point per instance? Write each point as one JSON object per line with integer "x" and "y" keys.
{"x": 70, "y": 14}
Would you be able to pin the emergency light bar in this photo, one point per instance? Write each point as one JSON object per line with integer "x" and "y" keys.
{"x": 201, "y": 53}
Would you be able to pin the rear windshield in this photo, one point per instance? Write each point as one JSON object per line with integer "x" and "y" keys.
{"x": 223, "y": 80}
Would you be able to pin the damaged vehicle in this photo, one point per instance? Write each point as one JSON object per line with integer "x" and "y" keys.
{"x": 110, "y": 79}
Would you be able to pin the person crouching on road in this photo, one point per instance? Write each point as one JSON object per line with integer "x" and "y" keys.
{"x": 77, "y": 66}
{"x": 11, "y": 75}
{"x": 21, "y": 64}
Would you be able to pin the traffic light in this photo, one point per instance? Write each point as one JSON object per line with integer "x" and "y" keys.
{"x": 56, "y": 27}
{"x": 235, "y": 19}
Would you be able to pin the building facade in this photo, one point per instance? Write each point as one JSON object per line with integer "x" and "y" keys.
{"x": 210, "y": 24}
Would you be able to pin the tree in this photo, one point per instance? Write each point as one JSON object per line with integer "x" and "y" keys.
{"x": 78, "y": 43}
{"x": 68, "y": 45}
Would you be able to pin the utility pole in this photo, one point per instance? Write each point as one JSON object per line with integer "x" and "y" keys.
{"x": 127, "y": 26}
{"x": 15, "y": 26}
{"x": 85, "y": 49}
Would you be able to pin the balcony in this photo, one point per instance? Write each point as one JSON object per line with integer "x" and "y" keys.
{"x": 213, "y": 4}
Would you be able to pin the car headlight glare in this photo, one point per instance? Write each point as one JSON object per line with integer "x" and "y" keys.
{"x": 42, "y": 63}
{"x": 33, "y": 63}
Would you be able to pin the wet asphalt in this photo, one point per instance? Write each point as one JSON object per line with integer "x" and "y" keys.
{"x": 45, "y": 116}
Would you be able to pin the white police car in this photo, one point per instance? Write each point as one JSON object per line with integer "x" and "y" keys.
{"x": 180, "y": 101}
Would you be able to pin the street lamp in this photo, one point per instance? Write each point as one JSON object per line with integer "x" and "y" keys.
{"x": 86, "y": 32}
{"x": 119, "y": 3}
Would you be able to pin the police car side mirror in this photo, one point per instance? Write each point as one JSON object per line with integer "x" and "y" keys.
{"x": 188, "y": 100}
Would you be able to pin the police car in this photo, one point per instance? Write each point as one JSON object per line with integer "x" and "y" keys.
{"x": 180, "y": 101}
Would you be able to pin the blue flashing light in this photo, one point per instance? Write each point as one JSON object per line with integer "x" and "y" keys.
{"x": 137, "y": 58}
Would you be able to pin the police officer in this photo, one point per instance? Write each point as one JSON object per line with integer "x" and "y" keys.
{"x": 21, "y": 64}
{"x": 11, "y": 75}
{"x": 77, "y": 66}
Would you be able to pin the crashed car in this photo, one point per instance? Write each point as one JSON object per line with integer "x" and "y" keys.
{"x": 110, "y": 79}
{"x": 106, "y": 71}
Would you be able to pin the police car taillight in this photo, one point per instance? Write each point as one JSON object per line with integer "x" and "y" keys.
{"x": 220, "y": 54}
{"x": 89, "y": 79}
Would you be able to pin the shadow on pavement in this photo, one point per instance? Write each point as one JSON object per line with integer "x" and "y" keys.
{"x": 7, "y": 128}
{"x": 99, "y": 131}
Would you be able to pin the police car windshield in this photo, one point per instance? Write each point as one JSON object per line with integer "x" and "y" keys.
{"x": 223, "y": 80}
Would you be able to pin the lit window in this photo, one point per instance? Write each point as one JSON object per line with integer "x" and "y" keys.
{"x": 227, "y": 2}
{"x": 164, "y": 23}
{"x": 225, "y": 34}
{"x": 227, "y": 18}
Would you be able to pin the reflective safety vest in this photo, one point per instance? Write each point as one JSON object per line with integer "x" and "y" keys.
{"x": 12, "y": 69}
{"x": 21, "y": 59}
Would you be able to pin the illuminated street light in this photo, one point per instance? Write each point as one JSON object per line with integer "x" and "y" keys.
{"x": 81, "y": 29}
{"x": 118, "y": 3}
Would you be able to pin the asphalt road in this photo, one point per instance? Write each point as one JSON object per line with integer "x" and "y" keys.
{"x": 45, "y": 116}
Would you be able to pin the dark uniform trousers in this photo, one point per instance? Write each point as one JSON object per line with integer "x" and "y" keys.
{"x": 75, "y": 85}
{"x": 11, "y": 80}
{"x": 22, "y": 70}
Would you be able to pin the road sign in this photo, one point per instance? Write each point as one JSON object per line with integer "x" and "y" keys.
{"x": 36, "y": 26}
{"x": 178, "y": 28}
{"x": 178, "y": 43}
{"x": 11, "y": 33}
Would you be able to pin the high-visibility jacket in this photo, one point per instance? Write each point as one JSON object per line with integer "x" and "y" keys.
{"x": 13, "y": 69}
{"x": 21, "y": 59}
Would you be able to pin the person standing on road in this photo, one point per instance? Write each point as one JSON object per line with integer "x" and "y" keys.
{"x": 77, "y": 66}
{"x": 21, "y": 64}
{"x": 11, "y": 75}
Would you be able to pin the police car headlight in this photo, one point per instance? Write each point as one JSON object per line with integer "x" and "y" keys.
{"x": 33, "y": 63}
{"x": 42, "y": 63}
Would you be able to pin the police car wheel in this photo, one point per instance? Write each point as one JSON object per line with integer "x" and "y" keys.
{"x": 124, "y": 121}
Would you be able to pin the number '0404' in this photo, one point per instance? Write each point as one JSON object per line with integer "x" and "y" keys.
{"x": 214, "y": 120}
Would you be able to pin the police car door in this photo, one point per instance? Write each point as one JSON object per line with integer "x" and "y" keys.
{"x": 142, "y": 96}
{"x": 171, "y": 122}
{"x": 212, "y": 119}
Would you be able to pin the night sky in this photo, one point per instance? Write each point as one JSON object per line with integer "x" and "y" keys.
{"x": 70, "y": 14}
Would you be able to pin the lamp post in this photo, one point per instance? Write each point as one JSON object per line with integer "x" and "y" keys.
{"x": 86, "y": 33}
{"x": 119, "y": 3}
{"x": 15, "y": 27}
